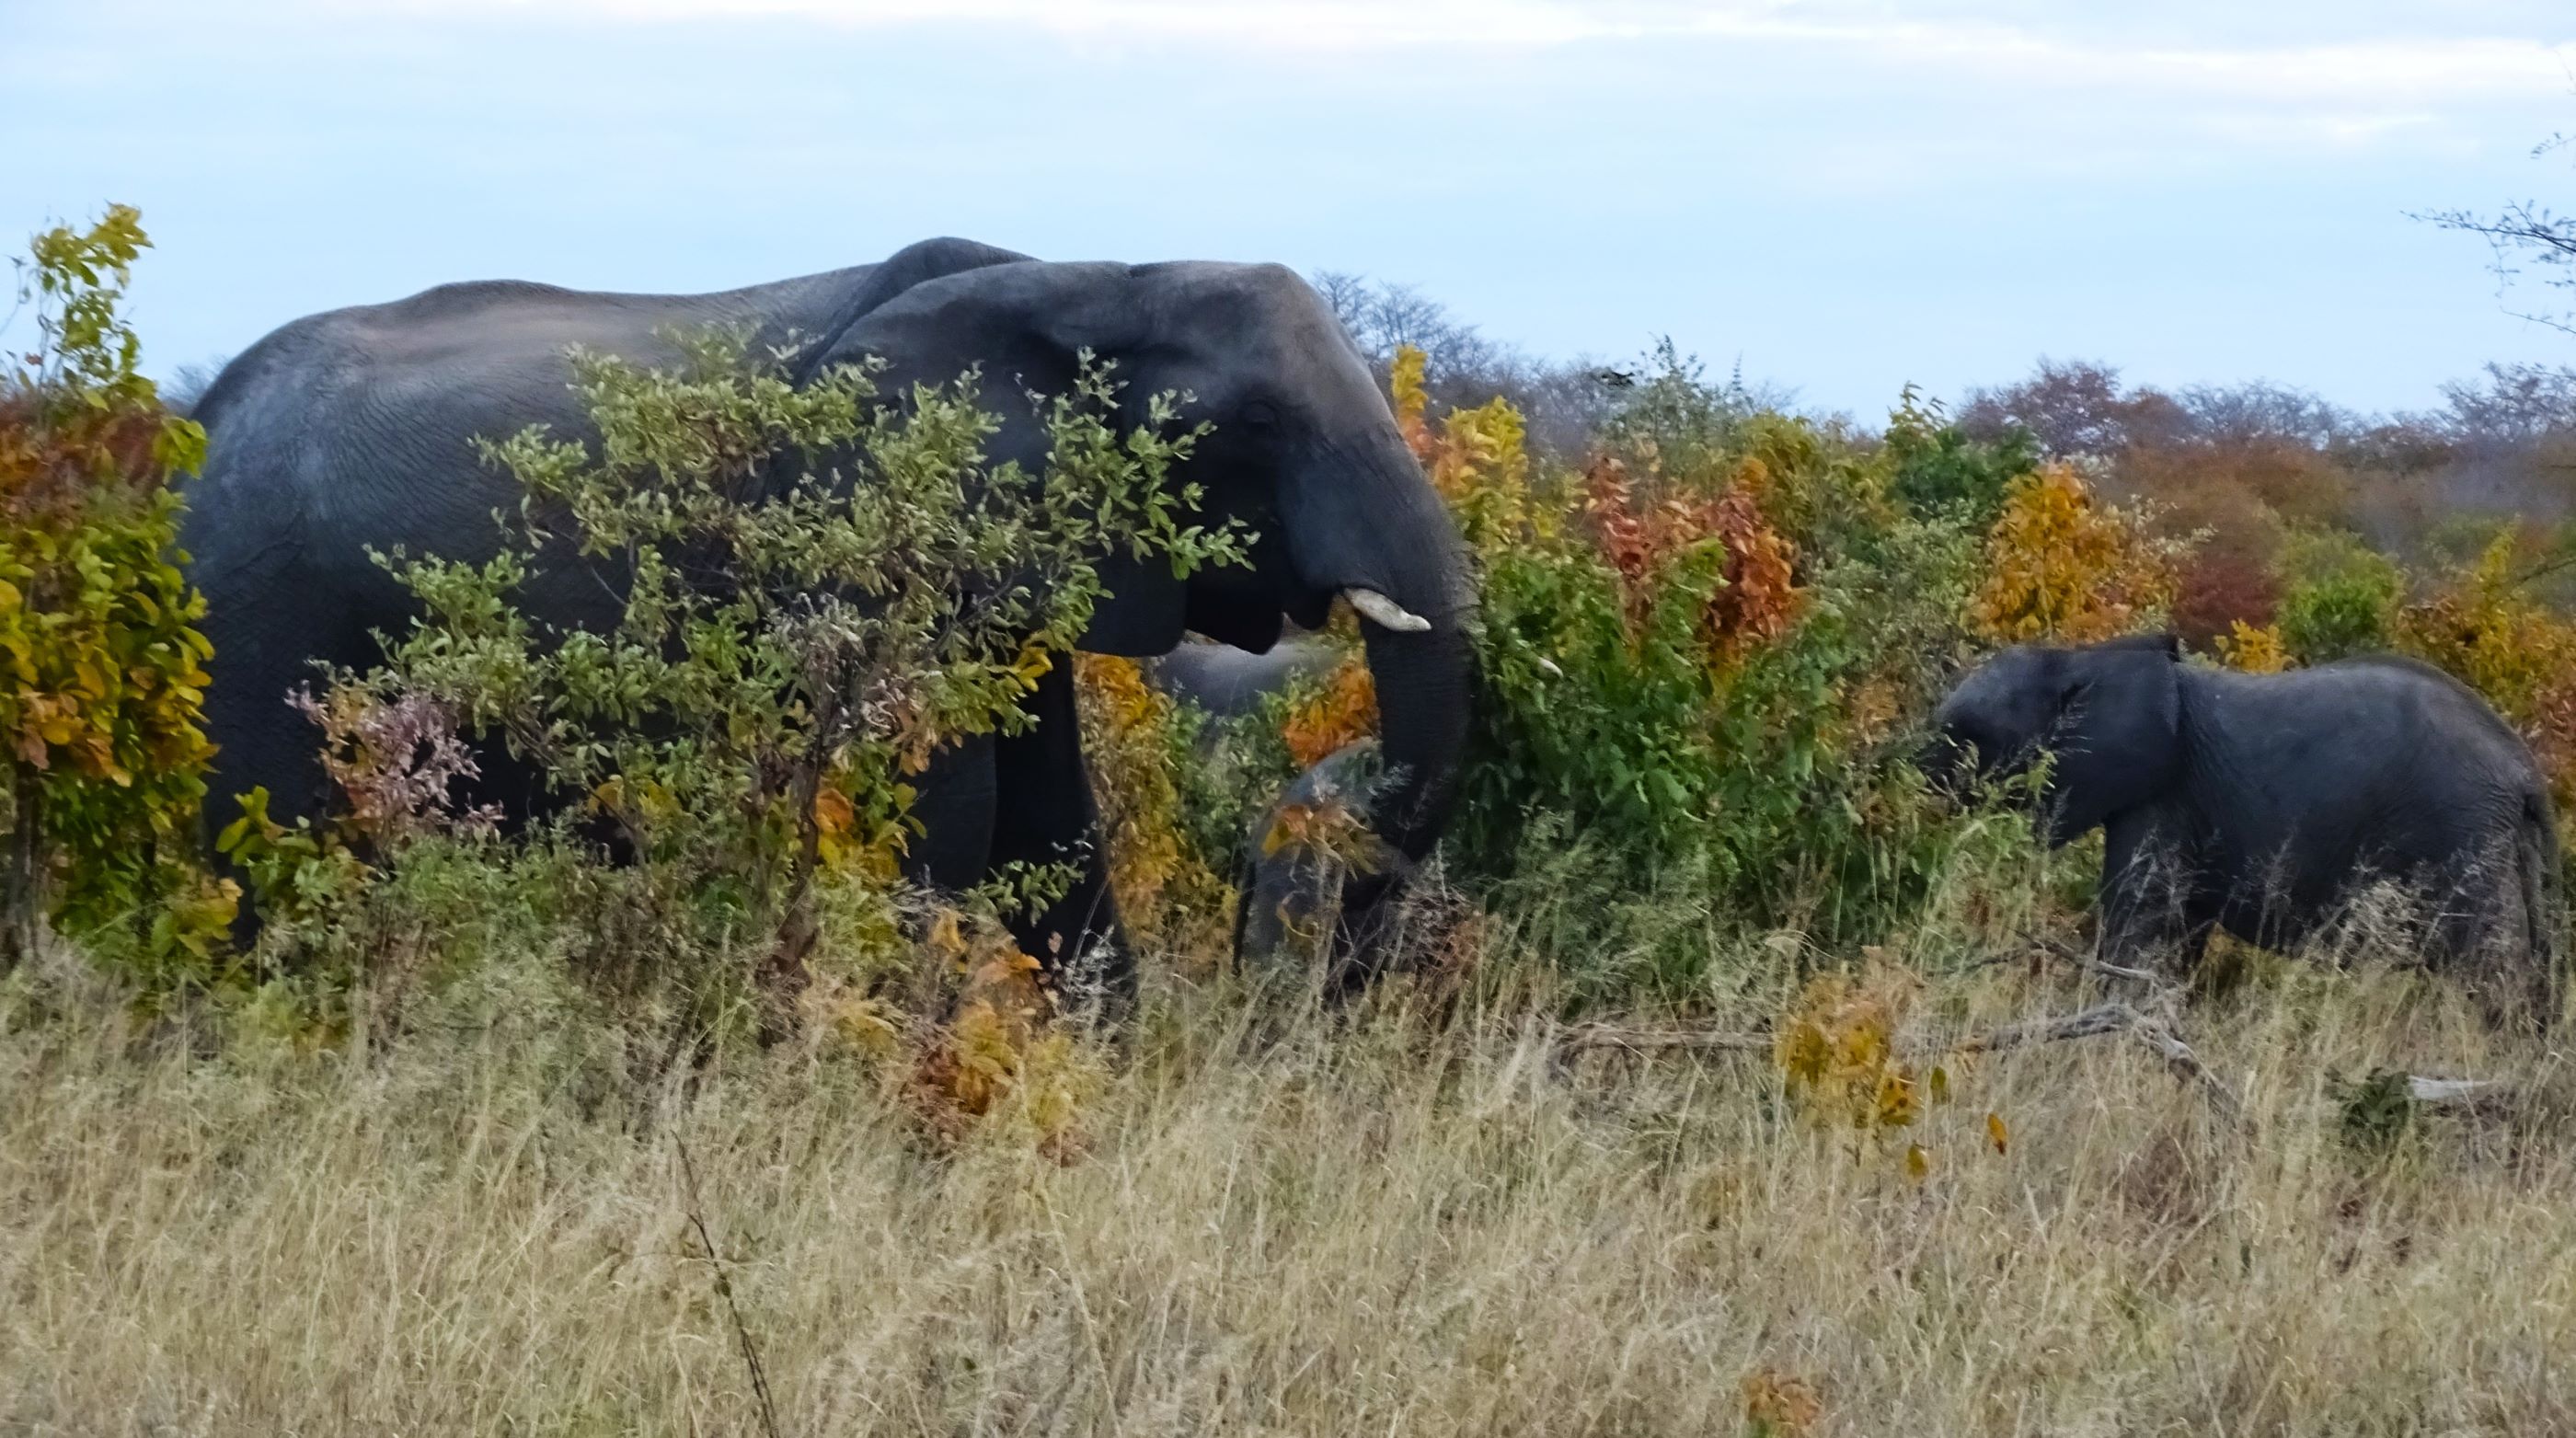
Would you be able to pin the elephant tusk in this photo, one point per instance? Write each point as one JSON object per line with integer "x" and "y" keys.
{"x": 1550, "y": 666}
{"x": 1386, "y": 612}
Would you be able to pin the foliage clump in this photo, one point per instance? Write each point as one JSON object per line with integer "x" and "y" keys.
{"x": 2253, "y": 649}
{"x": 1140, "y": 746}
{"x": 102, "y": 677}
{"x": 1940, "y": 466}
{"x": 1699, "y": 647}
{"x": 2342, "y": 598}
{"x": 2483, "y": 627}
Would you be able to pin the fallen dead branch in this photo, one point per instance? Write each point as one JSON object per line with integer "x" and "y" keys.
{"x": 724, "y": 1288}
{"x": 2110, "y": 1018}
{"x": 2115, "y": 1018}
{"x": 2454, "y": 1093}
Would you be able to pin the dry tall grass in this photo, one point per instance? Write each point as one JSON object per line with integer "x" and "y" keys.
{"x": 1383, "y": 1225}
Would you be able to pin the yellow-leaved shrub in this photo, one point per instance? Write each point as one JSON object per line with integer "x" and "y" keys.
{"x": 2062, "y": 566}
{"x": 1130, "y": 747}
{"x": 102, "y": 678}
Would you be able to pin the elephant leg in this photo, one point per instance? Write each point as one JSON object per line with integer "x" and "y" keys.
{"x": 2483, "y": 934}
{"x": 262, "y": 741}
{"x": 955, "y": 810}
{"x": 264, "y": 744}
{"x": 2147, "y": 915}
{"x": 1043, "y": 814}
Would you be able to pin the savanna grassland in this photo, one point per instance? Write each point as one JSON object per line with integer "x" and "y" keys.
{"x": 1724, "y": 1078}
{"x": 1402, "y": 1220}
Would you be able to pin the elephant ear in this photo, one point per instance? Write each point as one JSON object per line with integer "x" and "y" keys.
{"x": 915, "y": 264}
{"x": 1023, "y": 326}
{"x": 2118, "y": 738}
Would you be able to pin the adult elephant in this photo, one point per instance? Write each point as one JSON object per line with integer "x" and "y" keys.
{"x": 352, "y": 429}
{"x": 2259, "y": 803}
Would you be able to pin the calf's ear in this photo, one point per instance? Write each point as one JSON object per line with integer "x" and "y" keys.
{"x": 2080, "y": 671}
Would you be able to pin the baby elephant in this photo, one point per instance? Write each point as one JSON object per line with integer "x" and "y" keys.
{"x": 2260, "y": 802}
{"x": 1302, "y": 854}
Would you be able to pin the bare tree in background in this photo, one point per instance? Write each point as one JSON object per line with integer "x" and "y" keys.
{"x": 1563, "y": 401}
{"x": 2074, "y": 407}
{"x": 2529, "y": 241}
{"x": 188, "y": 383}
{"x": 2518, "y": 404}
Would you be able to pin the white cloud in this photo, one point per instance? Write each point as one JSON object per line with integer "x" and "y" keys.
{"x": 2372, "y": 70}
{"x": 1297, "y": 24}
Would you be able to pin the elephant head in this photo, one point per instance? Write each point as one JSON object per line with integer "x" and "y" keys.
{"x": 1305, "y": 452}
{"x": 2109, "y": 716}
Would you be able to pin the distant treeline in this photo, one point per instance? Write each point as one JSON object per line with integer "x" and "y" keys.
{"x": 2248, "y": 465}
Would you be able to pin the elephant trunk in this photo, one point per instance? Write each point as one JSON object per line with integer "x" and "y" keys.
{"x": 1376, "y": 533}
{"x": 1425, "y": 683}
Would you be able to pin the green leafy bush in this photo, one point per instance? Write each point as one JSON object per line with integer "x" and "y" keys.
{"x": 751, "y": 741}
{"x": 1940, "y": 468}
{"x": 2341, "y": 599}
{"x": 1711, "y": 709}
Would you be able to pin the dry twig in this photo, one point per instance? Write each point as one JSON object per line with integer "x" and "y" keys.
{"x": 2067, "y": 954}
{"x": 1635, "y": 1040}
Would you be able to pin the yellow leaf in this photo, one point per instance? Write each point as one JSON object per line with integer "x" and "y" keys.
{"x": 832, "y": 812}
{"x": 1896, "y": 1103}
{"x": 865, "y": 1025}
{"x": 1001, "y": 968}
{"x": 944, "y": 937}
{"x": 1918, "y": 1162}
{"x": 2253, "y": 650}
{"x": 1032, "y": 665}
{"x": 1781, "y": 1404}
{"x": 1995, "y": 1133}
{"x": 1939, "y": 1081}
{"x": 1342, "y": 711}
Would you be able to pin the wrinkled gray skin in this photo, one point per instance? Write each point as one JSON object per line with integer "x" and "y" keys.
{"x": 1228, "y": 682}
{"x": 2256, "y": 802}
{"x": 351, "y": 429}
{"x": 1286, "y": 893}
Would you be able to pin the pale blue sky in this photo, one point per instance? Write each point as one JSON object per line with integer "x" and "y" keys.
{"x": 1848, "y": 195}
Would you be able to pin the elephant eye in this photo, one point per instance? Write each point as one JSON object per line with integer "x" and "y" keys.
{"x": 1258, "y": 414}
